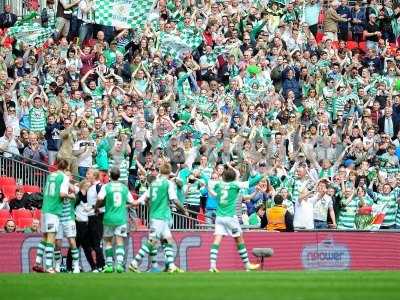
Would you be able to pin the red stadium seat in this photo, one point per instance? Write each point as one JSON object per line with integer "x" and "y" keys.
{"x": 4, "y": 213}
{"x": 352, "y": 45}
{"x": 36, "y": 214}
{"x": 21, "y": 213}
{"x": 24, "y": 222}
{"x": 7, "y": 181}
{"x": 9, "y": 190}
{"x": 363, "y": 46}
{"x": 31, "y": 189}
{"x": 201, "y": 217}
{"x": 3, "y": 222}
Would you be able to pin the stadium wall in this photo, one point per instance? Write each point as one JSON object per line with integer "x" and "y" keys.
{"x": 293, "y": 251}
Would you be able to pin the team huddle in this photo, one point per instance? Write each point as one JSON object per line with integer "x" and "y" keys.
{"x": 115, "y": 199}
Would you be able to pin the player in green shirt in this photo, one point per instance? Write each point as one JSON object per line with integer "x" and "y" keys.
{"x": 161, "y": 192}
{"x": 114, "y": 196}
{"x": 56, "y": 189}
{"x": 226, "y": 222}
{"x": 67, "y": 229}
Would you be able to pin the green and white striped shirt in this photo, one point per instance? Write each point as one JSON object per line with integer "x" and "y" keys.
{"x": 391, "y": 206}
{"x": 68, "y": 213}
{"x": 37, "y": 118}
{"x": 123, "y": 167}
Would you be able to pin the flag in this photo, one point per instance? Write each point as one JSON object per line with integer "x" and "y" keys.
{"x": 31, "y": 34}
{"x": 123, "y": 13}
{"x": 176, "y": 45}
{"x": 370, "y": 217}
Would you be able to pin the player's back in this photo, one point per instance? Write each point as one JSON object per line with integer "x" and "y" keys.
{"x": 159, "y": 199}
{"x": 227, "y": 197}
{"x": 52, "y": 201}
{"x": 115, "y": 204}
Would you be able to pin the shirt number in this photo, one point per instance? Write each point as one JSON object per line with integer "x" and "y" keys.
{"x": 117, "y": 199}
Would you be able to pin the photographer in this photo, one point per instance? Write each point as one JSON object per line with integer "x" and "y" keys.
{"x": 84, "y": 150}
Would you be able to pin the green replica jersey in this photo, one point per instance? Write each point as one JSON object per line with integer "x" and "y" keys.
{"x": 52, "y": 201}
{"x": 161, "y": 191}
{"x": 116, "y": 198}
{"x": 227, "y": 197}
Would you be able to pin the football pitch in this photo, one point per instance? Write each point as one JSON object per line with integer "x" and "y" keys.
{"x": 225, "y": 285}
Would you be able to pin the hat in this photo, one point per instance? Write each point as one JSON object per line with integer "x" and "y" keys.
{"x": 348, "y": 162}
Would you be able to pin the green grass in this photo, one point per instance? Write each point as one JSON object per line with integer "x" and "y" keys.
{"x": 221, "y": 286}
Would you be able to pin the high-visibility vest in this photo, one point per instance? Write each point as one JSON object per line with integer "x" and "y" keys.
{"x": 276, "y": 218}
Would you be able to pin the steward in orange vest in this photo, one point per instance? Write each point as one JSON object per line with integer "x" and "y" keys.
{"x": 278, "y": 218}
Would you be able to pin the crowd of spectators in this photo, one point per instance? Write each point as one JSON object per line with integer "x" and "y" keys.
{"x": 304, "y": 91}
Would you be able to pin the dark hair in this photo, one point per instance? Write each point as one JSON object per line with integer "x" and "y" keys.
{"x": 114, "y": 173}
{"x": 278, "y": 199}
{"x": 62, "y": 164}
{"x": 228, "y": 174}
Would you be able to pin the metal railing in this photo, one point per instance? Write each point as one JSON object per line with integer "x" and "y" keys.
{"x": 179, "y": 221}
{"x": 24, "y": 170}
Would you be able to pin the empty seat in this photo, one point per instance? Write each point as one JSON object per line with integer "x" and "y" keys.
{"x": 31, "y": 188}
{"x": 36, "y": 214}
{"x": 21, "y": 213}
{"x": 24, "y": 222}
{"x": 4, "y": 180}
{"x": 3, "y": 222}
{"x": 4, "y": 213}
{"x": 9, "y": 190}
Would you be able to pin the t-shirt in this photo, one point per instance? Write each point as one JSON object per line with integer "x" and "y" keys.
{"x": 321, "y": 206}
{"x": 161, "y": 191}
{"x": 371, "y": 28}
{"x": 85, "y": 159}
{"x": 116, "y": 196}
{"x": 227, "y": 196}
{"x": 37, "y": 118}
{"x": 57, "y": 183}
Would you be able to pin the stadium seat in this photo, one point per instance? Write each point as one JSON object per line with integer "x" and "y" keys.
{"x": 31, "y": 188}
{"x": 24, "y": 222}
{"x": 7, "y": 181}
{"x": 352, "y": 45}
{"x": 201, "y": 217}
{"x": 4, "y": 213}
{"x": 362, "y": 46}
{"x": 9, "y": 190}
{"x": 3, "y": 222}
{"x": 36, "y": 214}
{"x": 21, "y": 214}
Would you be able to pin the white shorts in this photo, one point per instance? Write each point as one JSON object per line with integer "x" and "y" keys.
{"x": 50, "y": 223}
{"x": 227, "y": 226}
{"x": 67, "y": 229}
{"x": 115, "y": 230}
{"x": 159, "y": 229}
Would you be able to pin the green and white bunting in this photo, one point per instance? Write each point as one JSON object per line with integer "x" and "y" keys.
{"x": 31, "y": 34}
{"x": 123, "y": 13}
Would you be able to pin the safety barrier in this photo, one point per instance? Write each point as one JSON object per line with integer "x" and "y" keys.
{"x": 292, "y": 251}
{"x": 25, "y": 171}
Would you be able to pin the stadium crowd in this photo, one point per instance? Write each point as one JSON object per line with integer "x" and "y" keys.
{"x": 305, "y": 92}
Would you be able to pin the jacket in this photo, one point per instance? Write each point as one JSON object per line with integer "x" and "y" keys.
{"x": 331, "y": 20}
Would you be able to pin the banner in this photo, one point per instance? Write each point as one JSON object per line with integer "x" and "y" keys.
{"x": 31, "y": 34}
{"x": 123, "y": 13}
{"x": 292, "y": 251}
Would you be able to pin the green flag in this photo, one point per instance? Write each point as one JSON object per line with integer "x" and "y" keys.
{"x": 123, "y": 13}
